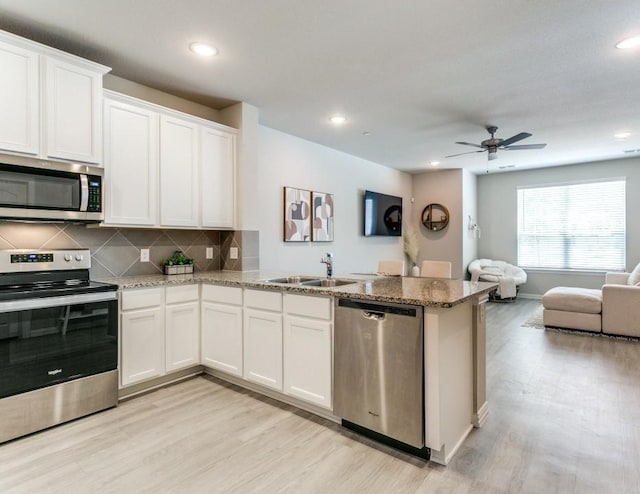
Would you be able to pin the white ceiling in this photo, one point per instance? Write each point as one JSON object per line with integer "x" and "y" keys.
{"x": 418, "y": 75}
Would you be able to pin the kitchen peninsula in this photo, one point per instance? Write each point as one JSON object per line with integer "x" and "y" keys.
{"x": 454, "y": 339}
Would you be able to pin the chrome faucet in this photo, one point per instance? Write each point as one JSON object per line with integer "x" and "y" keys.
{"x": 328, "y": 260}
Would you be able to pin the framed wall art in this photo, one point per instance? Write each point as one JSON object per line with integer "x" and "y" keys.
{"x": 322, "y": 217}
{"x": 297, "y": 215}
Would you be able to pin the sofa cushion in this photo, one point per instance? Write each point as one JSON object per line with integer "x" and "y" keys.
{"x": 634, "y": 277}
{"x": 572, "y": 299}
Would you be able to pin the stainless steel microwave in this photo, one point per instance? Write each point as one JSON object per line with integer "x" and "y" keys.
{"x": 32, "y": 189}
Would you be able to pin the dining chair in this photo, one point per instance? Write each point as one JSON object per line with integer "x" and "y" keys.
{"x": 436, "y": 269}
{"x": 391, "y": 267}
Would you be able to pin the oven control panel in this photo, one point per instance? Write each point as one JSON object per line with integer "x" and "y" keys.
{"x": 31, "y": 257}
{"x": 22, "y": 260}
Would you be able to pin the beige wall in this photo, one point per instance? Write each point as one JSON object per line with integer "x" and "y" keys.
{"x": 444, "y": 187}
{"x": 145, "y": 93}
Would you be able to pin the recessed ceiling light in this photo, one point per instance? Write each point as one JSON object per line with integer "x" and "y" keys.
{"x": 367, "y": 133}
{"x": 628, "y": 43}
{"x": 434, "y": 163}
{"x": 203, "y": 49}
{"x": 622, "y": 136}
{"x": 338, "y": 119}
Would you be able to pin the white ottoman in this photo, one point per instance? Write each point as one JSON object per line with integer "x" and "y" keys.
{"x": 575, "y": 308}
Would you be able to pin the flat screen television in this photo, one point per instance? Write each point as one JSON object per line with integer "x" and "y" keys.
{"x": 382, "y": 215}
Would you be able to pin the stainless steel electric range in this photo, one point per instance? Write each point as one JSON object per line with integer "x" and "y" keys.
{"x": 58, "y": 340}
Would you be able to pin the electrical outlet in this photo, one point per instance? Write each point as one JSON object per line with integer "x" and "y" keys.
{"x": 233, "y": 253}
{"x": 209, "y": 253}
{"x": 144, "y": 255}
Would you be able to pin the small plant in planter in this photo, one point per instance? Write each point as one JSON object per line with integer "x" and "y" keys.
{"x": 178, "y": 263}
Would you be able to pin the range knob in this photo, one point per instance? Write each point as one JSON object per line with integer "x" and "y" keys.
{"x": 68, "y": 257}
{"x": 79, "y": 257}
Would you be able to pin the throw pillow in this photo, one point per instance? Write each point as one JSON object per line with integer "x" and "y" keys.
{"x": 634, "y": 277}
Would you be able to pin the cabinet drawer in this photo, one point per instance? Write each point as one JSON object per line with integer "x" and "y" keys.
{"x": 304, "y": 305}
{"x": 263, "y": 299}
{"x": 141, "y": 298}
{"x": 222, "y": 294}
{"x": 184, "y": 293}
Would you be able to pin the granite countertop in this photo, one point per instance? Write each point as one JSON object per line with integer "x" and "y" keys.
{"x": 429, "y": 292}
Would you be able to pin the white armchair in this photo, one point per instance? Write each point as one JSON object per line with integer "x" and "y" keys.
{"x": 508, "y": 276}
{"x": 621, "y": 304}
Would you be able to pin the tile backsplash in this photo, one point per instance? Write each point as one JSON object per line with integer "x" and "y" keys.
{"x": 116, "y": 252}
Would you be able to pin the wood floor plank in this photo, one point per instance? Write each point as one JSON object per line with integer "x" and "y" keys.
{"x": 564, "y": 418}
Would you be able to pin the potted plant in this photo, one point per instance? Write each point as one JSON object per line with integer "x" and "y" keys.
{"x": 178, "y": 264}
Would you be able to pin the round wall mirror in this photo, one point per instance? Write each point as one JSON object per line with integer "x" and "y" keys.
{"x": 435, "y": 217}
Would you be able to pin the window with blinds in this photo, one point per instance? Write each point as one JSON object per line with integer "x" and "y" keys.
{"x": 577, "y": 226}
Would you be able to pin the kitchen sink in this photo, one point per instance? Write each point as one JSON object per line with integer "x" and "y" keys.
{"x": 328, "y": 282}
{"x": 293, "y": 280}
{"x": 311, "y": 281}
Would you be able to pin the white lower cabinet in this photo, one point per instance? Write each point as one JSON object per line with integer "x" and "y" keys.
{"x": 159, "y": 332}
{"x": 221, "y": 328}
{"x": 182, "y": 327}
{"x": 141, "y": 335}
{"x": 263, "y": 338}
{"x": 307, "y": 348}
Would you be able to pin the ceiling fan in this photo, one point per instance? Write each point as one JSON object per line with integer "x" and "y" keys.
{"x": 493, "y": 144}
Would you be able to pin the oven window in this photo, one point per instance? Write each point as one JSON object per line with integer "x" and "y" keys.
{"x": 41, "y": 347}
{"x": 31, "y": 190}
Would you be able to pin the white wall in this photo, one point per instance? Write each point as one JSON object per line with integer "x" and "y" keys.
{"x": 469, "y": 209}
{"x": 498, "y": 220}
{"x": 286, "y": 160}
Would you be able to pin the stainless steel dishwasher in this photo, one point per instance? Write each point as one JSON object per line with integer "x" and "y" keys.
{"x": 378, "y": 370}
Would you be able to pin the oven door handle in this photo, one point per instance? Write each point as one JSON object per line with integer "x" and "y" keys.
{"x": 46, "y": 302}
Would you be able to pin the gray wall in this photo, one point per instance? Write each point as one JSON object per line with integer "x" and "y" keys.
{"x": 497, "y": 216}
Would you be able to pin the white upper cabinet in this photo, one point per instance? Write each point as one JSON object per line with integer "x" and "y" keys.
{"x": 179, "y": 196}
{"x": 73, "y": 108}
{"x": 166, "y": 169}
{"x": 19, "y": 107}
{"x": 50, "y": 102}
{"x": 217, "y": 178}
{"x": 131, "y": 164}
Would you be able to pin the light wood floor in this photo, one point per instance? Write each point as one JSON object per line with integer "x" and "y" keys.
{"x": 564, "y": 417}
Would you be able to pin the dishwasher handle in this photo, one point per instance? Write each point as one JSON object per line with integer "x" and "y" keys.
{"x": 375, "y": 316}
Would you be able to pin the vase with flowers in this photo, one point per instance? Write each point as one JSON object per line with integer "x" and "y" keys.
{"x": 412, "y": 249}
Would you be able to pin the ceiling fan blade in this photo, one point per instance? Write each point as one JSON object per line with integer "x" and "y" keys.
{"x": 515, "y": 138}
{"x": 525, "y": 146}
{"x": 468, "y": 152}
{"x": 469, "y": 144}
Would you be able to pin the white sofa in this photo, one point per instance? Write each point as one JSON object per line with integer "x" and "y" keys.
{"x": 615, "y": 309}
{"x": 508, "y": 276}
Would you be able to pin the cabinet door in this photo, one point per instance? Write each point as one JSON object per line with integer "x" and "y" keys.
{"x": 222, "y": 337}
{"x": 263, "y": 347}
{"x": 182, "y": 326}
{"x": 307, "y": 359}
{"x": 179, "y": 196}
{"x": 217, "y": 183}
{"x": 142, "y": 345}
{"x": 131, "y": 164}
{"x": 73, "y": 105}
{"x": 19, "y": 101}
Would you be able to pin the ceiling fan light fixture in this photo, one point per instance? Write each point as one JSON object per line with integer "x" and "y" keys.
{"x": 493, "y": 155}
{"x": 627, "y": 43}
